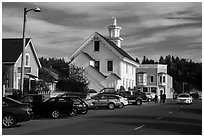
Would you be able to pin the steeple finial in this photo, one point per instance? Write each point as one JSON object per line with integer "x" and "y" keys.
{"x": 114, "y": 21}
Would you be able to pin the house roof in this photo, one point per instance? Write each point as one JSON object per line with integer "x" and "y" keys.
{"x": 12, "y": 49}
{"x": 54, "y": 73}
{"x": 88, "y": 56}
{"x": 98, "y": 71}
{"x": 115, "y": 75}
{"x": 120, "y": 50}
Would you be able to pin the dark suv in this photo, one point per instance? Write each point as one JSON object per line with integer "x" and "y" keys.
{"x": 134, "y": 97}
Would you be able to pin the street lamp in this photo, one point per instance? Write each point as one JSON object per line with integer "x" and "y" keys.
{"x": 24, "y": 41}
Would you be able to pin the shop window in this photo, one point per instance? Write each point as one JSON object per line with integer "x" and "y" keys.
{"x": 145, "y": 89}
{"x": 164, "y": 79}
{"x": 151, "y": 79}
{"x": 160, "y": 79}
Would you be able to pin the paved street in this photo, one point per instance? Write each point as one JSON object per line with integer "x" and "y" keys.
{"x": 148, "y": 119}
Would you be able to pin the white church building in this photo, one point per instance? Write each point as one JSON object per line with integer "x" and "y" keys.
{"x": 105, "y": 63}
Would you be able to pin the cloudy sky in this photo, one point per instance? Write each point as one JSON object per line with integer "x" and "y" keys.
{"x": 150, "y": 29}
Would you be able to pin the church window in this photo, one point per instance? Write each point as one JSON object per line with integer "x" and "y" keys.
{"x": 96, "y": 45}
{"x": 110, "y": 66}
{"x": 97, "y": 65}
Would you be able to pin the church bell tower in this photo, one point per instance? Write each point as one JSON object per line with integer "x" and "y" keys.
{"x": 114, "y": 33}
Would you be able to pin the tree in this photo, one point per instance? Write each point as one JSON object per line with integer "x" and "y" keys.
{"x": 137, "y": 60}
{"x": 161, "y": 60}
{"x": 73, "y": 76}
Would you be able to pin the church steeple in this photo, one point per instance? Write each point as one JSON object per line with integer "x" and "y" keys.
{"x": 114, "y": 33}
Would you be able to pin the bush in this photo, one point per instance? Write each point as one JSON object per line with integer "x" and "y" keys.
{"x": 71, "y": 85}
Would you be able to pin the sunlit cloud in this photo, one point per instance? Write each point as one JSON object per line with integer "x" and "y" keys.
{"x": 149, "y": 29}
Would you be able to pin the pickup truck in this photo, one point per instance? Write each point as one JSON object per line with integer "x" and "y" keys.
{"x": 134, "y": 97}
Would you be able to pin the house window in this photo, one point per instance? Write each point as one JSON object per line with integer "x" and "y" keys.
{"x": 126, "y": 83}
{"x": 140, "y": 80}
{"x": 123, "y": 82}
{"x": 110, "y": 65}
{"x": 126, "y": 68}
{"x": 132, "y": 83}
{"x": 151, "y": 79}
{"x": 97, "y": 65}
{"x": 27, "y": 59}
{"x": 160, "y": 79}
{"x": 132, "y": 70}
{"x": 96, "y": 45}
{"x": 164, "y": 78}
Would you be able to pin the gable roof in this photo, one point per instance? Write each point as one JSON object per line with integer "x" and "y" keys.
{"x": 53, "y": 73}
{"x": 120, "y": 50}
{"x": 12, "y": 49}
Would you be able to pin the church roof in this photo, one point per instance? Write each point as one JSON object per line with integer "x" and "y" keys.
{"x": 120, "y": 50}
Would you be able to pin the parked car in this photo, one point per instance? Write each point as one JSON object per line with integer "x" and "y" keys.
{"x": 86, "y": 98}
{"x": 14, "y": 112}
{"x": 32, "y": 99}
{"x": 175, "y": 95}
{"x": 123, "y": 100}
{"x": 150, "y": 96}
{"x": 106, "y": 100}
{"x": 55, "y": 107}
{"x": 80, "y": 105}
{"x": 184, "y": 98}
{"x": 92, "y": 92}
{"x": 134, "y": 97}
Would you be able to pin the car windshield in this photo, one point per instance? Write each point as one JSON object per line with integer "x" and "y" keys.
{"x": 184, "y": 96}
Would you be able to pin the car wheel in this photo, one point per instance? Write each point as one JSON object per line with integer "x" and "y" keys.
{"x": 8, "y": 120}
{"x": 55, "y": 114}
{"x": 85, "y": 111}
{"x": 111, "y": 106}
{"x": 149, "y": 100}
{"x": 138, "y": 102}
{"x": 73, "y": 113}
{"x": 121, "y": 105}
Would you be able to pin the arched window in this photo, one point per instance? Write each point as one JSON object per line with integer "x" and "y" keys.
{"x": 27, "y": 59}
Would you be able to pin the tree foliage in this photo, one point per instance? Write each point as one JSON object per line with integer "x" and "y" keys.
{"x": 72, "y": 79}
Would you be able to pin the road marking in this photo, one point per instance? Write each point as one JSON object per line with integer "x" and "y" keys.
{"x": 159, "y": 118}
{"x": 137, "y": 128}
{"x": 170, "y": 112}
